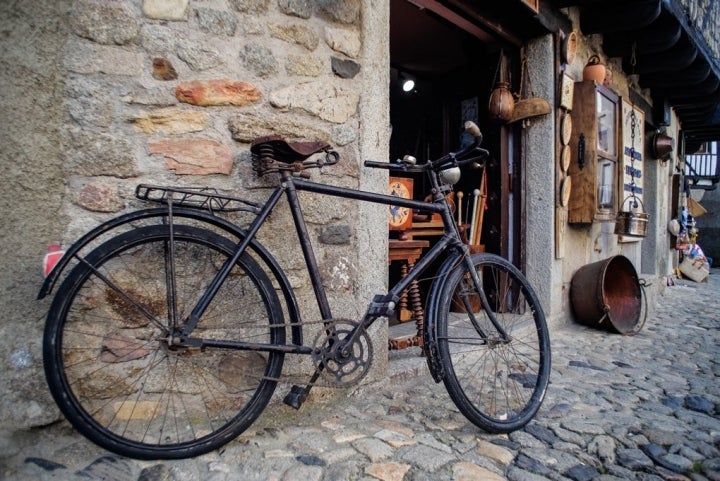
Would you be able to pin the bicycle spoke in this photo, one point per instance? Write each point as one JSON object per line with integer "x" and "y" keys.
{"x": 141, "y": 309}
{"x": 498, "y": 357}
{"x": 118, "y": 375}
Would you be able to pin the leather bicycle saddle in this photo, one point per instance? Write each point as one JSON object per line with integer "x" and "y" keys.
{"x": 285, "y": 151}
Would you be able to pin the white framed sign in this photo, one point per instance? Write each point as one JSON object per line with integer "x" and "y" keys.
{"x": 632, "y": 161}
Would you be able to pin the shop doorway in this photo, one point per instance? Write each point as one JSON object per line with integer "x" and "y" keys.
{"x": 454, "y": 65}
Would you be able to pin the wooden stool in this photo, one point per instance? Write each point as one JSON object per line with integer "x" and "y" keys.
{"x": 408, "y": 252}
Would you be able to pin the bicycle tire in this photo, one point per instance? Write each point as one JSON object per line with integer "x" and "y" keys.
{"x": 499, "y": 386}
{"x": 113, "y": 372}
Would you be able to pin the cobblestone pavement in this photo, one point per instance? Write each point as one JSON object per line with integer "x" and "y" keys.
{"x": 618, "y": 408}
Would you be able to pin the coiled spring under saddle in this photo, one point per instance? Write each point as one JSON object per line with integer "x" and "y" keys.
{"x": 275, "y": 154}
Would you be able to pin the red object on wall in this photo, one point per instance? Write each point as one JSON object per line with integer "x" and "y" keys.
{"x": 54, "y": 254}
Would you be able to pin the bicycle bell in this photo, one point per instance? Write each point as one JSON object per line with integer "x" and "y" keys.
{"x": 450, "y": 176}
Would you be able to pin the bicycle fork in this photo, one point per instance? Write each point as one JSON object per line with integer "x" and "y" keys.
{"x": 477, "y": 288}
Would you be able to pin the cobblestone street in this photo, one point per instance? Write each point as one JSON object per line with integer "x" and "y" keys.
{"x": 618, "y": 408}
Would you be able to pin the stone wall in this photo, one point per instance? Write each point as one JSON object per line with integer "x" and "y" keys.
{"x": 172, "y": 92}
{"x": 31, "y": 199}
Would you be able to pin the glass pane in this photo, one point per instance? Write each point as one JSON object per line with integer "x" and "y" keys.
{"x": 606, "y": 184}
{"x": 607, "y": 122}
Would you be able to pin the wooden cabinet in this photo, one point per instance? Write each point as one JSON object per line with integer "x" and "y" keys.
{"x": 594, "y": 154}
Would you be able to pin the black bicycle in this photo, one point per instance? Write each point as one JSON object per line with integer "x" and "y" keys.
{"x": 166, "y": 338}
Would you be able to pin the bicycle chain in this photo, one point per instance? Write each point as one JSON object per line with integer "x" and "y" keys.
{"x": 318, "y": 357}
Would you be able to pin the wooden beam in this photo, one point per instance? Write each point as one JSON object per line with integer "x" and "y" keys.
{"x": 676, "y": 58}
{"x": 454, "y": 18}
{"x": 659, "y": 36}
{"x": 601, "y": 18}
{"x": 695, "y": 74}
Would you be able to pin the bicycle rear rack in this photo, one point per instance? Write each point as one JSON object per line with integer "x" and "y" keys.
{"x": 205, "y": 198}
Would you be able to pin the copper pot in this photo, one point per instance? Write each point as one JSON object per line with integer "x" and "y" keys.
{"x": 502, "y": 103}
{"x": 594, "y": 70}
{"x": 661, "y": 145}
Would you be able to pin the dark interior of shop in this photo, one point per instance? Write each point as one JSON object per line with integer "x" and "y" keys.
{"x": 454, "y": 69}
{"x": 454, "y": 72}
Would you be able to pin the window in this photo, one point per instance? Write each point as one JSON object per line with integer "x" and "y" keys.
{"x": 606, "y": 150}
{"x": 595, "y": 154}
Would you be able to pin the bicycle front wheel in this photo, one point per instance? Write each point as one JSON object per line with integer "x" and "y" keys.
{"x": 496, "y": 373}
{"x": 109, "y": 355}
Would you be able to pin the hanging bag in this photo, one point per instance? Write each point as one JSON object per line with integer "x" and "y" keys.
{"x": 501, "y": 103}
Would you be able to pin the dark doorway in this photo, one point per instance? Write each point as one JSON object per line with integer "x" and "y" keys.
{"x": 455, "y": 65}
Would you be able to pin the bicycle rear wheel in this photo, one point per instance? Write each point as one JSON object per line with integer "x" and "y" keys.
{"x": 115, "y": 373}
{"x": 497, "y": 383}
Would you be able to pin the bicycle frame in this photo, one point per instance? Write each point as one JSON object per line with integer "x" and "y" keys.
{"x": 136, "y": 372}
{"x": 381, "y": 305}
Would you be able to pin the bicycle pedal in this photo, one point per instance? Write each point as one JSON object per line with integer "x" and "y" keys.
{"x": 381, "y": 307}
{"x": 296, "y": 397}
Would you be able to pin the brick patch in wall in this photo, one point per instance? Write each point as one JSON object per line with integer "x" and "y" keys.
{"x": 166, "y": 9}
{"x": 343, "y": 40}
{"x": 99, "y": 196}
{"x": 247, "y": 126}
{"x": 304, "y": 65}
{"x": 104, "y": 23}
{"x": 194, "y": 156}
{"x": 217, "y": 92}
{"x": 170, "y": 121}
{"x": 296, "y": 33}
{"x": 334, "y": 103}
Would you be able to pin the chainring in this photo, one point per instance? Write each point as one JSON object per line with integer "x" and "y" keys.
{"x": 349, "y": 366}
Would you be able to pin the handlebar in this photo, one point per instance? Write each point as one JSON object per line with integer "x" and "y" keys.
{"x": 471, "y": 153}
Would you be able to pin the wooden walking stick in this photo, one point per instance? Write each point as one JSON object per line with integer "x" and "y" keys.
{"x": 459, "y": 210}
{"x": 478, "y": 221}
{"x": 473, "y": 225}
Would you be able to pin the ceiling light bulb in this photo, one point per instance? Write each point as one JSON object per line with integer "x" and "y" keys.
{"x": 408, "y": 85}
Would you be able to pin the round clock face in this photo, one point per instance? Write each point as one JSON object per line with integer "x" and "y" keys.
{"x": 397, "y": 216}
